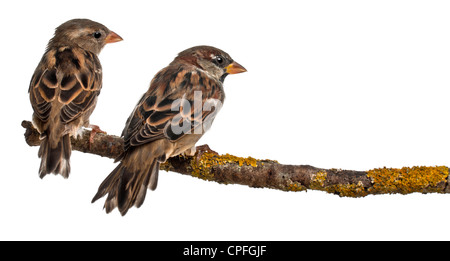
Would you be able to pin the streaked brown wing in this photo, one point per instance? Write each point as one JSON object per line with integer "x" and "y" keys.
{"x": 167, "y": 110}
{"x": 42, "y": 92}
{"x": 73, "y": 79}
{"x": 80, "y": 89}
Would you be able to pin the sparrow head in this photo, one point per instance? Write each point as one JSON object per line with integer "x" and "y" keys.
{"x": 212, "y": 60}
{"x": 89, "y": 35}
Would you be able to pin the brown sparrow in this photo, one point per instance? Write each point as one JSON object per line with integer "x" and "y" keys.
{"x": 64, "y": 89}
{"x": 169, "y": 119}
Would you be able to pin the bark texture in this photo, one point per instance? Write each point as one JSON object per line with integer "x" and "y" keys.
{"x": 229, "y": 169}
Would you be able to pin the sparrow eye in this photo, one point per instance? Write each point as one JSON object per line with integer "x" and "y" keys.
{"x": 219, "y": 59}
{"x": 97, "y": 35}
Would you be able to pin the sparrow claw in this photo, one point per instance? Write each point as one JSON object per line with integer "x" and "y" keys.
{"x": 94, "y": 130}
{"x": 202, "y": 149}
{"x": 205, "y": 148}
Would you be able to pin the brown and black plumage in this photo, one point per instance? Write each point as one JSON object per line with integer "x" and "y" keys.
{"x": 64, "y": 89}
{"x": 169, "y": 119}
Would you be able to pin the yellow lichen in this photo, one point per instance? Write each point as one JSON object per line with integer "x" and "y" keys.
{"x": 407, "y": 180}
{"x": 318, "y": 180}
{"x": 165, "y": 166}
{"x": 348, "y": 190}
{"x": 201, "y": 168}
{"x": 295, "y": 186}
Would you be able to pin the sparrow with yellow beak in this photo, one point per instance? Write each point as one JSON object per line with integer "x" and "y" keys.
{"x": 168, "y": 120}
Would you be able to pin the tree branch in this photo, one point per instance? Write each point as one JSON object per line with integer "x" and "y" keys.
{"x": 229, "y": 169}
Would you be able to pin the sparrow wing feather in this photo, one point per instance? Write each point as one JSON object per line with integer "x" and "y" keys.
{"x": 42, "y": 92}
{"x": 167, "y": 110}
{"x": 64, "y": 78}
{"x": 81, "y": 87}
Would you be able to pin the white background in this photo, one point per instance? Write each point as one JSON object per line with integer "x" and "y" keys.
{"x": 334, "y": 84}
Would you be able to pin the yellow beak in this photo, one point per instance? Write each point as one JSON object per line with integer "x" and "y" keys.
{"x": 234, "y": 68}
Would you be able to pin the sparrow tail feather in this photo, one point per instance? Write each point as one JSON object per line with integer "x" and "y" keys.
{"x": 127, "y": 185}
{"x": 55, "y": 158}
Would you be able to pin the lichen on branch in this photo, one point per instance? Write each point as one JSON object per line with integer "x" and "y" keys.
{"x": 229, "y": 169}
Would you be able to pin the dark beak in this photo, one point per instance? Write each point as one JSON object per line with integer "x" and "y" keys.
{"x": 113, "y": 38}
{"x": 234, "y": 68}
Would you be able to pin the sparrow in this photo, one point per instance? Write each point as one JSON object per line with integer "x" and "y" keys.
{"x": 64, "y": 89}
{"x": 179, "y": 106}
